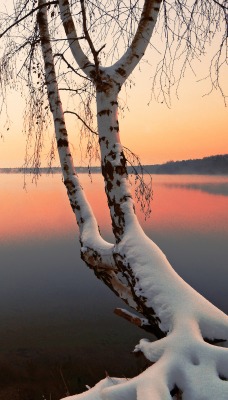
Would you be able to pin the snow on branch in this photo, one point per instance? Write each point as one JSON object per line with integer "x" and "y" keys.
{"x": 134, "y": 319}
{"x": 187, "y": 363}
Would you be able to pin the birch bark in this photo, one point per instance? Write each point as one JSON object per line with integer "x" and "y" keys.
{"x": 95, "y": 251}
{"x": 186, "y": 323}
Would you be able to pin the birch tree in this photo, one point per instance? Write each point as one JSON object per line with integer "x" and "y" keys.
{"x": 189, "y": 359}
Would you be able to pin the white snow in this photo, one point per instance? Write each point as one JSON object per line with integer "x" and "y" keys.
{"x": 182, "y": 358}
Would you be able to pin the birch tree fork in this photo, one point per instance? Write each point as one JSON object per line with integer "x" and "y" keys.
{"x": 189, "y": 359}
{"x": 183, "y": 320}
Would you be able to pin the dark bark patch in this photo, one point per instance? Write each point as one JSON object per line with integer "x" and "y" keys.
{"x": 111, "y": 128}
{"x": 70, "y": 186}
{"x": 117, "y": 209}
{"x": 104, "y": 112}
{"x": 107, "y": 171}
{"x": 51, "y": 93}
{"x": 150, "y": 18}
{"x": 68, "y": 26}
{"x": 109, "y": 186}
{"x": 62, "y": 143}
{"x": 120, "y": 170}
{"x": 176, "y": 391}
{"x": 121, "y": 71}
{"x": 118, "y": 232}
{"x": 82, "y": 220}
{"x": 110, "y": 204}
{"x": 49, "y": 66}
{"x": 58, "y": 120}
{"x": 155, "y": 9}
{"x": 63, "y": 131}
{"x": 113, "y": 103}
{"x": 102, "y": 138}
{"x": 118, "y": 182}
{"x": 112, "y": 154}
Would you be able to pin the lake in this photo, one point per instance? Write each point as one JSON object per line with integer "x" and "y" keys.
{"x": 58, "y": 331}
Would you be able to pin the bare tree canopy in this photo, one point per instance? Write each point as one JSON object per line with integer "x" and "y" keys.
{"x": 89, "y": 50}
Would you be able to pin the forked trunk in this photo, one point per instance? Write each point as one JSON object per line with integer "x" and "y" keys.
{"x": 186, "y": 360}
{"x": 113, "y": 161}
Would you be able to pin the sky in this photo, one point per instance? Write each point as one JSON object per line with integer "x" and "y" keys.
{"x": 194, "y": 126}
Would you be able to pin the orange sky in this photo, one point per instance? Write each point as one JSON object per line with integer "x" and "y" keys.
{"x": 194, "y": 127}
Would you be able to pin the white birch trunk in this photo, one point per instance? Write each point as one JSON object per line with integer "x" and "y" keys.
{"x": 113, "y": 161}
{"x": 95, "y": 251}
{"x": 186, "y": 361}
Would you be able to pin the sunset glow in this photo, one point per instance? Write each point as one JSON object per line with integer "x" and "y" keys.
{"x": 194, "y": 127}
{"x": 43, "y": 210}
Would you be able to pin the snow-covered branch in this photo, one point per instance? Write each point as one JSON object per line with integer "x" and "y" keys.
{"x": 184, "y": 364}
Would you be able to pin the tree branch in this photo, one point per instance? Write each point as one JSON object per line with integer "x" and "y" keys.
{"x": 70, "y": 66}
{"x": 82, "y": 120}
{"x": 221, "y": 5}
{"x": 95, "y": 251}
{"x": 142, "y": 323}
{"x": 87, "y": 36}
{"x": 68, "y": 23}
{"x": 136, "y": 50}
{"x": 88, "y": 227}
{"x": 18, "y": 21}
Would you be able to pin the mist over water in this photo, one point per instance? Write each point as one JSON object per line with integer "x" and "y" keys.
{"x": 53, "y": 309}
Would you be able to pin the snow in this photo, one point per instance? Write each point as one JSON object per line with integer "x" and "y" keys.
{"x": 182, "y": 358}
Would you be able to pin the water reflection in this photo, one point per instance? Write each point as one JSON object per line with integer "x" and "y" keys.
{"x": 220, "y": 189}
{"x": 179, "y": 202}
{"x": 53, "y": 308}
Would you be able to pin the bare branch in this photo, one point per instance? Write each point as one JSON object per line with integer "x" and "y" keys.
{"x": 70, "y": 66}
{"x": 19, "y": 20}
{"x": 136, "y": 50}
{"x": 71, "y": 34}
{"x": 87, "y": 36}
{"x": 82, "y": 120}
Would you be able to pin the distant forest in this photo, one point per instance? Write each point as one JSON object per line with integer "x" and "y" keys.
{"x": 214, "y": 165}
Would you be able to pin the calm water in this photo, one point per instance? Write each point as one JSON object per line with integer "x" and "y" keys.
{"x": 57, "y": 328}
